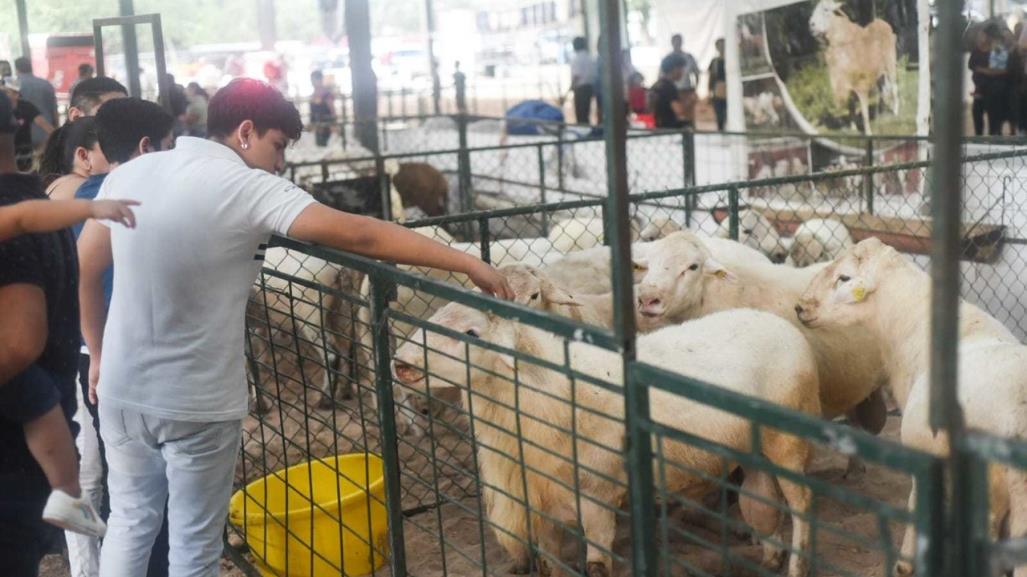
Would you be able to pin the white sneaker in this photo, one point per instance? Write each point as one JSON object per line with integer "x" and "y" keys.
{"x": 73, "y": 514}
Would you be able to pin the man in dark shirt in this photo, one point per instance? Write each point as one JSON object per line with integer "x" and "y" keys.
{"x": 668, "y": 110}
{"x": 322, "y": 109}
{"x": 39, "y": 334}
{"x": 41, "y": 94}
{"x": 27, "y": 115}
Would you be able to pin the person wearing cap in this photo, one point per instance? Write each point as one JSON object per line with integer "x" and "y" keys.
{"x": 171, "y": 381}
{"x": 38, "y": 362}
{"x": 26, "y": 115}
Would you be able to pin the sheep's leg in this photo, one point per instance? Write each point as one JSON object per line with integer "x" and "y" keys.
{"x": 548, "y": 539}
{"x": 327, "y": 400}
{"x": 904, "y": 567}
{"x": 508, "y": 517}
{"x": 760, "y": 504}
{"x": 793, "y": 454}
{"x": 864, "y": 110}
{"x": 599, "y": 524}
{"x": 1016, "y": 479}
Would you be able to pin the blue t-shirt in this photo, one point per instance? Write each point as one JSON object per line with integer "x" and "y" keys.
{"x": 88, "y": 191}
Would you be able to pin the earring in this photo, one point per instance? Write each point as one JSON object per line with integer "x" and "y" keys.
{"x": 245, "y": 146}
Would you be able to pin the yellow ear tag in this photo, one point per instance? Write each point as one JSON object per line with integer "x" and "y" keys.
{"x": 859, "y": 293}
{"x": 721, "y": 274}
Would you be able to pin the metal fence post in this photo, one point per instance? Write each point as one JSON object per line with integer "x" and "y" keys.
{"x": 542, "y": 188}
{"x": 868, "y": 179}
{"x": 464, "y": 170}
{"x": 732, "y": 213}
{"x": 345, "y": 121}
{"x": 636, "y": 394}
{"x": 946, "y": 171}
{"x": 387, "y": 420}
{"x": 561, "y": 185}
{"x": 485, "y": 237}
{"x": 384, "y": 186}
{"x": 688, "y": 171}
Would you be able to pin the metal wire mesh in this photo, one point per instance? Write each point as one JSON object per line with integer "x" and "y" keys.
{"x": 299, "y": 326}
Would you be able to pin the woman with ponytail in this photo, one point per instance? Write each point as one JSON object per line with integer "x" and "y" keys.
{"x": 71, "y": 154}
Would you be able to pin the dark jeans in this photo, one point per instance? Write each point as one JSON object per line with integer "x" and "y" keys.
{"x": 321, "y": 136}
{"x": 24, "y": 537}
{"x": 996, "y": 107}
{"x": 977, "y": 112}
{"x": 159, "y": 554}
{"x": 583, "y": 103}
{"x": 720, "y": 109}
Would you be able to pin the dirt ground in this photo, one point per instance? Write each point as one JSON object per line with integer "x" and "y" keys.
{"x": 442, "y": 464}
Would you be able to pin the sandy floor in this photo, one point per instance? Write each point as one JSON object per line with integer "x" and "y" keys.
{"x": 291, "y": 433}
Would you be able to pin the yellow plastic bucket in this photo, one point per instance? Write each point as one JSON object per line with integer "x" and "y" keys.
{"x": 316, "y": 518}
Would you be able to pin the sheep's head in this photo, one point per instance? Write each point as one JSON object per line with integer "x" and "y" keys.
{"x": 432, "y": 359}
{"x": 806, "y": 250}
{"x": 823, "y": 14}
{"x": 842, "y": 293}
{"x": 756, "y": 231}
{"x": 658, "y": 228}
{"x": 673, "y": 274}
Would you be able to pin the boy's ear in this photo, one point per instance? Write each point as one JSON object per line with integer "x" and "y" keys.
{"x": 145, "y": 145}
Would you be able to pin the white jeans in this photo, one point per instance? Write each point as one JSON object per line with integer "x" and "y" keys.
{"x": 150, "y": 459}
{"x": 83, "y": 550}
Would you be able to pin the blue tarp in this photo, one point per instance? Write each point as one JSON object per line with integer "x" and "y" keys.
{"x": 531, "y": 110}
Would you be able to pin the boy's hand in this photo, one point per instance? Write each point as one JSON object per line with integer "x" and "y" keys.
{"x": 114, "y": 210}
{"x": 94, "y": 377}
{"x": 490, "y": 281}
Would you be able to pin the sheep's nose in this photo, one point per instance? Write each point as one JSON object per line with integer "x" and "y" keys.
{"x": 798, "y": 309}
{"x": 406, "y": 372}
{"x": 649, "y": 301}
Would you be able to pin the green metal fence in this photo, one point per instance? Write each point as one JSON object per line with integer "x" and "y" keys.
{"x": 502, "y": 457}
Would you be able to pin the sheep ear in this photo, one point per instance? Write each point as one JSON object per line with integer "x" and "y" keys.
{"x": 713, "y": 268}
{"x": 558, "y": 295}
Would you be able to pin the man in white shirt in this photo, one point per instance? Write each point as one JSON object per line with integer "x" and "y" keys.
{"x": 168, "y": 365}
{"x": 583, "y": 80}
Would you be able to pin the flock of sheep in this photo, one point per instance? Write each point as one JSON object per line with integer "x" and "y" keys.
{"x": 814, "y": 323}
{"x": 820, "y": 340}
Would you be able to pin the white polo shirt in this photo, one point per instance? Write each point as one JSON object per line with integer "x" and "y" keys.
{"x": 173, "y": 344}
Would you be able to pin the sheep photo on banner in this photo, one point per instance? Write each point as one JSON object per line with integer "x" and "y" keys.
{"x": 838, "y": 69}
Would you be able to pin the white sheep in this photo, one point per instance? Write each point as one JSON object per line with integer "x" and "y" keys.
{"x": 589, "y": 271}
{"x": 682, "y": 280}
{"x": 582, "y": 233}
{"x": 873, "y": 289}
{"x": 777, "y": 366}
{"x": 819, "y": 240}
{"x": 762, "y": 108}
{"x": 857, "y": 56}
{"x": 313, "y": 322}
{"x": 755, "y": 230}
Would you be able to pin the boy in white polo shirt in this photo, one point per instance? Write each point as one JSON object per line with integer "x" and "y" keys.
{"x": 168, "y": 364}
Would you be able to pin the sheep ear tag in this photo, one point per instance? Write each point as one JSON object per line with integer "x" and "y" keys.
{"x": 715, "y": 269}
{"x": 859, "y": 293}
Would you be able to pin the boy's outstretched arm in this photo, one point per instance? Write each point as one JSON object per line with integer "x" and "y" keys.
{"x": 384, "y": 240}
{"x": 33, "y": 216}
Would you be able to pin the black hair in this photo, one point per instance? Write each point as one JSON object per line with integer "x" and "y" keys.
{"x": 23, "y": 65}
{"x": 670, "y": 63}
{"x": 247, "y": 99}
{"x": 58, "y": 156}
{"x": 199, "y": 90}
{"x": 579, "y": 43}
{"x": 677, "y": 38}
{"x": 317, "y": 75}
{"x": 86, "y": 95}
{"x": 122, "y": 123}
{"x": 85, "y": 68}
